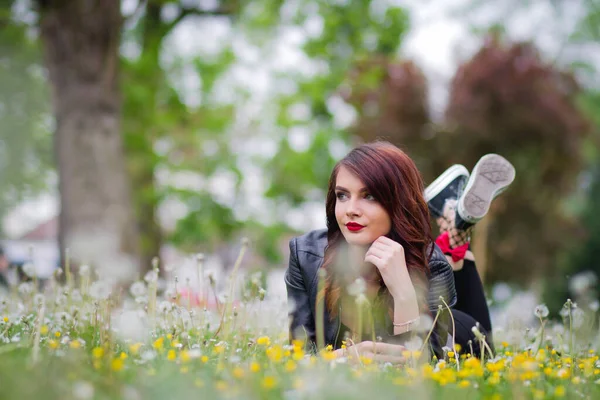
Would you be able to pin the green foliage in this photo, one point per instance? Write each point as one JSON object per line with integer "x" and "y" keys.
{"x": 26, "y": 154}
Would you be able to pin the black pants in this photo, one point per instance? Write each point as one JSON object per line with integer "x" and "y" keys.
{"x": 471, "y": 308}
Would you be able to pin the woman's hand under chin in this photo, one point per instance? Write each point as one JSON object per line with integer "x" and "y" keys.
{"x": 388, "y": 256}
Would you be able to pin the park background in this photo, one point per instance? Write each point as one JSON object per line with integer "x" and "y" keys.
{"x": 171, "y": 128}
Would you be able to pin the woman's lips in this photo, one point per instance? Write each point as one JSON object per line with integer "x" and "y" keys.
{"x": 354, "y": 227}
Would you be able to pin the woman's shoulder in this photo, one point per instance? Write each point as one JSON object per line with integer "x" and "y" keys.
{"x": 313, "y": 242}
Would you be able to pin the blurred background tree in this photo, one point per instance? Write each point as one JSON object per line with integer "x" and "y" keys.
{"x": 26, "y": 143}
{"x": 281, "y": 91}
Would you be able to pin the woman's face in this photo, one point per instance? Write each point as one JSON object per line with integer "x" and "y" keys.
{"x": 361, "y": 217}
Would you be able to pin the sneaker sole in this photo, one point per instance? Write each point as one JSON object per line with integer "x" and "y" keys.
{"x": 444, "y": 180}
{"x": 491, "y": 175}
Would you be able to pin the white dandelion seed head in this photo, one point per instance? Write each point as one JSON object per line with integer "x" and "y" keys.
{"x": 168, "y": 267}
{"x": 76, "y": 295}
{"x": 595, "y": 305}
{"x": 578, "y": 318}
{"x": 582, "y": 282}
{"x": 29, "y": 269}
{"x": 131, "y": 325}
{"x": 26, "y": 288}
{"x": 541, "y": 311}
{"x": 138, "y": 289}
{"x": 165, "y": 307}
{"x": 83, "y": 390}
{"x": 356, "y": 288}
{"x": 39, "y": 299}
{"x": 131, "y": 393}
{"x": 100, "y": 290}
{"x": 414, "y": 344}
{"x": 151, "y": 276}
{"x": 84, "y": 270}
{"x": 425, "y": 323}
{"x": 501, "y": 292}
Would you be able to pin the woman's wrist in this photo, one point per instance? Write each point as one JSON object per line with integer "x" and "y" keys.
{"x": 406, "y": 314}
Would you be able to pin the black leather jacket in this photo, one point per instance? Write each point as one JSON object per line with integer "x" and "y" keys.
{"x": 306, "y": 256}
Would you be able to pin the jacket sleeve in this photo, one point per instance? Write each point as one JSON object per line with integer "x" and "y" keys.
{"x": 302, "y": 323}
{"x": 441, "y": 283}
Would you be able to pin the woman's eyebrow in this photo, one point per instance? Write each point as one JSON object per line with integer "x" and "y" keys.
{"x": 346, "y": 190}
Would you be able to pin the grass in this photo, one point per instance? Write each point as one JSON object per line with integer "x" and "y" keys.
{"x": 89, "y": 343}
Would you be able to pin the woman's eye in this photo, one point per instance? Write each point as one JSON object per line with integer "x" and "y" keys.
{"x": 369, "y": 197}
{"x": 341, "y": 196}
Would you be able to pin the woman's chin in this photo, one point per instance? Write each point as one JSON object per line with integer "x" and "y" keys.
{"x": 358, "y": 239}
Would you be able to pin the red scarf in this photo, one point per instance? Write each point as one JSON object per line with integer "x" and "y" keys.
{"x": 457, "y": 253}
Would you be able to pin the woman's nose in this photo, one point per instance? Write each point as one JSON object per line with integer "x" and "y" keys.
{"x": 353, "y": 208}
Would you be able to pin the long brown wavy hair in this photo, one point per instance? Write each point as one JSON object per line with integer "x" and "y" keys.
{"x": 393, "y": 179}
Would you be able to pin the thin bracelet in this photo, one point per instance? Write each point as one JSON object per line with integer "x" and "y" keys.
{"x": 412, "y": 321}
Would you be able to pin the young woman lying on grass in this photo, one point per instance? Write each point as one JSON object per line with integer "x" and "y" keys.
{"x": 376, "y": 266}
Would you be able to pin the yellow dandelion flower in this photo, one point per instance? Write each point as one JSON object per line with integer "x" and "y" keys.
{"x": 204, "y": 359}
{"x": 275, "y": 353}
{"x": 44, "y": 329}
{"x": 171, "y": 355}
{"x": 75, "y": 344}
{"x": 57, "y": 334}
{"x": 400, "y": 381}
{"x": 269, "y": 382}
{"x": 539, "y": 394}
{"x": 559, "y": 391}
{"x": 328, "y": 355}
{"x": 464, "y": 384}
{"x": 564, "y": 373}
{"x": 451, "y": 354}
{"x": 134, "y": 348}
{"x": 366, "y": 360}
{"x": 123, "y": 355}
{"x": 159, "y": 343}
{"x": 576, "y": 380}
{"x": 5, "y": 319}
{"x": 290, "y": 366}
{"x": 254, "y": 366}
{"x": 169, "y": 336}
{"x": 98, "y": 352}
{"x": 238, "y": 373}
{"x": 184, "y": 356}
{"x": 53, "y": 344}
{"x": 117, "y": 364}
{"x": 174, "y": 343}
{"x": 263, "y": 341}
{"x": 218, "y": 349}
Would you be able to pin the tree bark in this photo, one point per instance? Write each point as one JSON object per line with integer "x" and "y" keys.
{"x": 81, "y": 49}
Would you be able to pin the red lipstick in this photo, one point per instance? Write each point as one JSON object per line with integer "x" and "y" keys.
{"x": 354, "y": 227}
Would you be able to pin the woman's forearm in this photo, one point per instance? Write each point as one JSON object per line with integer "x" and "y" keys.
{"x": 406, "y": 309}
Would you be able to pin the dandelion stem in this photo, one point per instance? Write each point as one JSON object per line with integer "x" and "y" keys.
{"x": 453, "y": 333}
{"x": 437, "y": 315}
{"x": 320, "y": 309}
{"x": 38, "y": 328}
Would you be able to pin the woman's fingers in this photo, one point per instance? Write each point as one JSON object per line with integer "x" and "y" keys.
{"x": 376, "y": 252}
{"x": 384, "y": 358}
{"x": 379, "y": 348}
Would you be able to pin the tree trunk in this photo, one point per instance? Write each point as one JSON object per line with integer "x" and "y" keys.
{"x": 81, "y": 48}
